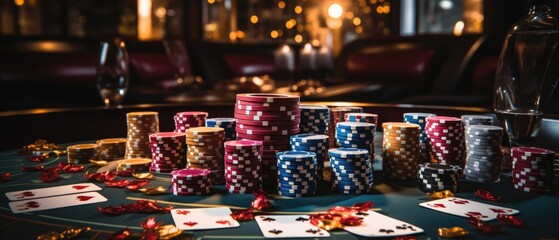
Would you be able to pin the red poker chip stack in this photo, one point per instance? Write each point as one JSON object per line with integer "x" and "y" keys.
{"x": 446, "y": 137}
{"x": 270, "y": 118}
{"x": 243, "y": 160}
{"x": 532, "y": 169}
{"x": 191, "y": 182}
{"x": 205, "y": 150}
{"x": 168, "y": 150}
{"x": 337, "y": 114}
{"x": 186, "y": 120}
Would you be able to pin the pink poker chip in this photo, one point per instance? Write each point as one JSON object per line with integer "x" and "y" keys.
{"x": 531, "y": 151}
{"x": 191, "y": 173}
{"x": 443, "y": 119}
{"x": 268, "y": 98}
{"x": 243, "y": 144}
{"x": 166, "y": 135}
{"x": 191, "y": 114}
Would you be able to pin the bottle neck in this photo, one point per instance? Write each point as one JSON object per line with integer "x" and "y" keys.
{"x": 539, "y": 10}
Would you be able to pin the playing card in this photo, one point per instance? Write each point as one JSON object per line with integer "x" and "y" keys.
{"x": 52, "y": 191}
{"x": 378, "y": 225}
{"x": 466, "y": 208}
{"x": 32, "y": 205}
{"x": 288, "y": 226}
{"x": 203, "y": 218}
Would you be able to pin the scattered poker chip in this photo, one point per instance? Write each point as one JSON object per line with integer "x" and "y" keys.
{"x": 483, "y": 152}
{"x": 352, "y": 171}
{"x": 433, "y": 177}
{"x": 186, "y": 120}
{"x": 140, "y": 125}
{"x": 82, "y": 153}
{"x": 533, "y": 169}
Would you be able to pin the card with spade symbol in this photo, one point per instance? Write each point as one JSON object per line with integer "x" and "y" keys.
{"x": 288, "y": 226}
{"x": 467, "y": 208}
{"x": 31, "y": 205}
{"x": 377, "y": 225}
{"x": 52, "y": 191}
{"x": 203, "y": 218}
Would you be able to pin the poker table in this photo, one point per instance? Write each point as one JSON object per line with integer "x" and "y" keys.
{"x": 397, "y": 199}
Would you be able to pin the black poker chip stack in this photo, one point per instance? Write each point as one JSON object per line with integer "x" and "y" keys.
{"x": 435, "y": 177}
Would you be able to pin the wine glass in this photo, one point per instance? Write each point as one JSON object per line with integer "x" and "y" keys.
{"x": 527, "y": 74}
{"x": 178, "y": 56}
{"x": 112, "y": 72}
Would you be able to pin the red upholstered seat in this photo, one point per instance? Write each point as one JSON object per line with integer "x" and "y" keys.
{"x": 249, "y": 64}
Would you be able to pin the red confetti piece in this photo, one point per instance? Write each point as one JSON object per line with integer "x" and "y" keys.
{"x": 134, "y": 185}
{"x": 511, "y": 220}
{"x": 150, "y": 223}
{"x": 117, "y": 183}
{"x": 242, "y": 215}
{"x": 363, "y": 206}
{"x": 34, "y": 158}
{"x": 121, "y": 235}
{"x": 486, "y": 195}
{"x": 5, "y": 176}
{"x": 260, "y": 201}
{"x": 101, "y": 177}
{"x": 49, "y": 175}
{"x": 149, "y": 235}
{"x": 483, "y": 226}
{"x": 351, "y": 221}
{"x": 405, "y": 238}
{"x": 124, "y": 173}
{"x": 140, "y": 206}
{"x": 68, "y": 168}
{"x": 32, "y": 168}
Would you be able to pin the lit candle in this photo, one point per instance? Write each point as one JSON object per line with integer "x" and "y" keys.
{"x": 324, "y": 59}
{"x": 284, "y": 58}
{"x": 308, "y": 57}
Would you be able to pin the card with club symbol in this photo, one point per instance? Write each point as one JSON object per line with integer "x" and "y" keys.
{"x": 377, "y": 225}
{"x": 288, "y": 226}
{"x": 31, "y": 205}
{"x": 203, "y": 218}
{"x": 52, "y": 191}
{"x": 467, "y": 208}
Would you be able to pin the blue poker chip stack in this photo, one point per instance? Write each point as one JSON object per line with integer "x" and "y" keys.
{"x": 317, "y": 143}
{"x": 352, "y": 172}
{"x": 228, "y": 124}
{"x": 356, "y": 135}
{"x": 296, "y": 173}
{"x": 314, "y": 119}
{"x": 424, "y": 147}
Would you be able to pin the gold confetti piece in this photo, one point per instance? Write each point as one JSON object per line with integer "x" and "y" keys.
{"x": 99, "y": 163}
{"x": 453, "y": 232}
{"x": 66, "y": 234}
{"x": 328, "y": 224}
{"x": 168, "y": 231}
{"x": 154, "y": 191}
{"x": 440, "y": 194}
{"x": 146, "y": 175}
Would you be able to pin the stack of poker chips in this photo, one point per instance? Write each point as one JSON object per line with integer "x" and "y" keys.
{"x": 532, "y": 169}
{"x": 356, "y": 135}
{"x": 242, "y": 166}
{"x": 400, "y": 150}
{"x": 140, "y": 126}
{"x": 476, "y": 120}
{"x": 111, "y": 148}
{"x": 297, "y": 173}
{"x": 186, "y": 120}
{"x": 434, "y": 177}
{"x": 168, "y": 151}
{"x": 483, "y": 153}
{"x": 361, "y": 117}
{"x": 318, "y": 144}
{"x": 228, "y": 125}
{"x": 337, "y": 114}
{"x": 352, "y": 170}
{"x": 82, "y": 153}
{"x": 134, "y": 165}
{"x": 424, "y": 147}
{"x": 446, "y": 138}
{"x": 270, "y": 118}
{"x": 191, "y": 182}
{"x": 314, "y": 119}
{"x": 205, "y": 150}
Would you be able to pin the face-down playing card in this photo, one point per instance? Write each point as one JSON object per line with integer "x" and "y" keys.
{"x": 31, "y": 205}
{"x": 467, "y": 208}
{"x": 377, "y": 225}
{"x": 203, "y": 218}
{"x": 289, "y": 226}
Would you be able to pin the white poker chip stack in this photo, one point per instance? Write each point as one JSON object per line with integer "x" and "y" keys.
{"x": 483, "y": 153}
{"x": 140, "y": 126}
{"x": 476, "y": 120}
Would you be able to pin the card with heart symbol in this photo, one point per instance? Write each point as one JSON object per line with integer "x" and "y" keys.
{"x": 203, "y": 218}
{"x": 288, "y": 226}
{"x": 377, "y": 225}
{"x": 31, "y": 205}
{"x": 52, "y": 191}
{"x": 467, "y": 208}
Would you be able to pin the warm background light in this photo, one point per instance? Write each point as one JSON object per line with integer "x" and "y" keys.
{"x": 335, "y": 10}
{"x": 254, "y": 19}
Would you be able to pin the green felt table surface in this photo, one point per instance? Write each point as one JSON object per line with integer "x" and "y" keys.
{"x": 397, "y": 199}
